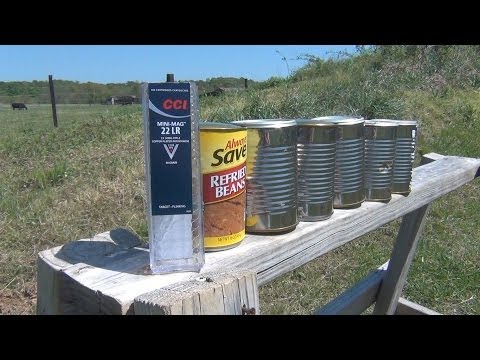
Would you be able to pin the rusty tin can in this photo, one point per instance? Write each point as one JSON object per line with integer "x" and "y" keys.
{"x": 223, "y": 161}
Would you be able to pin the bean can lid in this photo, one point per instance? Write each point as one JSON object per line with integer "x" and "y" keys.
{"x": 341, "y": 120}
{"x": 211, "y": 125}
{"x": 265, "y": 123}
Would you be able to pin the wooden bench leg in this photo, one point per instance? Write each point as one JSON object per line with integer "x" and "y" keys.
{"x": 358, "y": 298}
{"x": 406, "y": 307}
{"x": 400, "y": 261}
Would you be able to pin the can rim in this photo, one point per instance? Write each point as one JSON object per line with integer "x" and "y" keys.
{"x": 341, "y": 119}
{"x": 398, "y": 122}
{"x": 313, "y": 122}
{"x": 211, "y": 125}
{"x": 381, "y": 123}
{"x": 265, "y": 123}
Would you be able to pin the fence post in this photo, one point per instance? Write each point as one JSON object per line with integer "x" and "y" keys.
{"x": 170, "y": 78}
{"x": 52, "y": 99}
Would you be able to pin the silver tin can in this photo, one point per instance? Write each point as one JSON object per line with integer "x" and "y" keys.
{"x": 380, "y": 137}
{"x": 349, "y": 189}
{"x": 316, "y": 145}
{"x": 404, "y": 155}
{"x": 271, "y": 175}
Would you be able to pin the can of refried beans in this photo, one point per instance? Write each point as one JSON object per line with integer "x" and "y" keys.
{"x": 223, "y": 149}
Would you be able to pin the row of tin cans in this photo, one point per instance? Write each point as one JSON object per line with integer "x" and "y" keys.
{"x": 300, "y": 170}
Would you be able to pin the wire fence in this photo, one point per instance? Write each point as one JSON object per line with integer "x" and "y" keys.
{"x": 68, "y": 92}
{"x": 74, "y": 103}
{"x": 38, "y": 119}
{"x": 68, "y": 98}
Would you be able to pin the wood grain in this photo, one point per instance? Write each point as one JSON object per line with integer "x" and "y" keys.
{"x": 227, "y": 293}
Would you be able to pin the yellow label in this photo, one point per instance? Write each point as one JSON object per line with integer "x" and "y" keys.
{"x": 221, "y": 241}
{"x": 222, "y": 150}
{"x": 223, "y": 160}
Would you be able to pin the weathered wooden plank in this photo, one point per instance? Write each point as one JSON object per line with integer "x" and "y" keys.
{"x": 58, "y": 289}
{"x": 118, "y": 276}
{"x": 213, "y": 294}
{"x": 400, "y": 261}
{"x": 49, "y": 281}
{"x": 358, "y": 298}
{"x": 406, "y": 307}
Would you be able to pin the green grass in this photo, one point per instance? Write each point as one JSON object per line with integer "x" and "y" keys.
{"x": 58, "y": 185}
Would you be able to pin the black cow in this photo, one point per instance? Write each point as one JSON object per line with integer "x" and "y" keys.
{"x": 19, "y": 106}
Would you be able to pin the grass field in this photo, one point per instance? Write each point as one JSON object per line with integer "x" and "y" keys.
{"x": 63, "y": 184}
{"x": 87, "y": 177}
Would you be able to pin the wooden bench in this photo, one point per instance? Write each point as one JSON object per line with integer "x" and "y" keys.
{"x": 108, "y": 274}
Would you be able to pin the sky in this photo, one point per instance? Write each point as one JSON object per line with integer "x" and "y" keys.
{"x": 149, "y": 63}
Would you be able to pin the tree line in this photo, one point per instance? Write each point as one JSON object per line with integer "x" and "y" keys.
{"x": 74, "y": 92}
